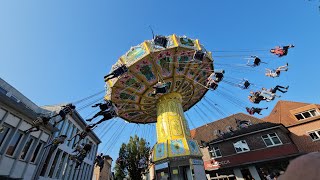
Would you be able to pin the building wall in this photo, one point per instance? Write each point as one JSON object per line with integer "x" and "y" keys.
{"x": 15, "y": 123}
{"x": 105, "y": 173}
{"x": 284, "y": 112}
{"x": 58, "y": 165}
{"x": 259, "y": 151}
{"x": 205, "y": 153}
{"x": 254, "y": 141}
{"x": 301, "y": 138}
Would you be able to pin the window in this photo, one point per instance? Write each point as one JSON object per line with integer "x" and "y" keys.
{"x": 306, "y": 114}
{"x": 36, "y": 152}
{"x": 215, "y": 152}
{"x": 59, "y": 126}
{"x": 4, "y": 134}
{"x": 65, "y": 128}
{"x": 54, "y": 163}
{"x": 315, "y": 135}
{"x": 62, "y": 161}
{"x": 65, "y": 168}
{"x": 271, "y": 139}
{"x": 14, "y": 143}
{"x": 241, "y": 146}
{"x": 70, "y": 134}
{"x": 2, "y": 113}
{"x": 26, "y": 148}
{"x": 93, "y": 149}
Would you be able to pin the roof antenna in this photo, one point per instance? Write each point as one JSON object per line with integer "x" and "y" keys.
{"x": 152, "y": 32}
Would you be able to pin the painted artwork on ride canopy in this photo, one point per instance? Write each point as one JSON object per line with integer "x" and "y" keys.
{"x": 194, "y": 150}
{"x": 161, "y": 151}
{"x": 165, "y": 64}
{"x": 146, "y": 70}
{"x": 177, "y": 147}
{"x": 125, "y": 96}
{"x": 130, "y": 81}
{"x": 186, "y": 41}
{"x": 134, "y": 54}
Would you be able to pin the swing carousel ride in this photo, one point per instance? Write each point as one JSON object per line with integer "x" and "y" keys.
{"x": 162, "y": 79}
{"x": 156, "y": 82}
{"x": 171, "y": 64}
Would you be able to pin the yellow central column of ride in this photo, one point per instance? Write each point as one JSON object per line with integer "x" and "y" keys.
{"x": 171, "y": 123}
{"x": 173, "y": 133}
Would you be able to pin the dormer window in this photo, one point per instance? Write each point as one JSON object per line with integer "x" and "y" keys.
{"x": 306, "y": 114}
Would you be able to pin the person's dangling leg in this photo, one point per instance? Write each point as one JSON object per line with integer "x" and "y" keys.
{"x": 28, "y": 130}
{"x": 96, "y": 115}
{"x": 32, "y": 129}
{"x": 105, "y": 118}
{"x": 102, "y": 120}
{"x": 283, "y": 68}
{"x": 278, "y": 88}
{"x": 258, "y": 110}
{"x": 109, "y": 76}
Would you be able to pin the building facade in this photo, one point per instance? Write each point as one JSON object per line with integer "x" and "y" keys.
{"x": 58, "y": 165}
{"x": 244, "y": 147}
{"x": 105, "y": 173}
{"x": 23, "y": 156}
{"x": 20, "y": 153}
{"x": 302, "y": 120}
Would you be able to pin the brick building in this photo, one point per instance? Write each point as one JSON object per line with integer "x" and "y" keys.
{"x": 243, "y": 147}
{"x": 302, "y": 120}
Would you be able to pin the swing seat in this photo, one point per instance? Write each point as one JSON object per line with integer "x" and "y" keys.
{"x": 160, "y": 41}
{"x": 161, "y": 90}
{"x": 199, "y": 56}
{"x": 246, "y": 84}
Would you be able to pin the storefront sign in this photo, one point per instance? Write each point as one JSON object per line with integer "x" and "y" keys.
{"x": 219, "y": 163}
{"x": 216, "y": 164}
{"x": 161, "y": 166}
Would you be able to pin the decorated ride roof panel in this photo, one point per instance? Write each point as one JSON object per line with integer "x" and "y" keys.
{"x": 149, "y": 64}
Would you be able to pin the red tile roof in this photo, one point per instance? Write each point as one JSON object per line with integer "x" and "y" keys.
{"x": 281, "y": 112}
{"x": 206, "y": 132}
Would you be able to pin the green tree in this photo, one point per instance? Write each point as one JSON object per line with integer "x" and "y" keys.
{"x": 120, "y": 169}
{"x": 132, "y": 159}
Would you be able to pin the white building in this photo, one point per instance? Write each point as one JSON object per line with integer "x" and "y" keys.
{"x": 20, "y": 153}
{"x": 23, "y": 156}
{"x": 58, "y": 165}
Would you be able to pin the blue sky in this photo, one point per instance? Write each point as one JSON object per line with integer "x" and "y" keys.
{"x": 59, "y": 51}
